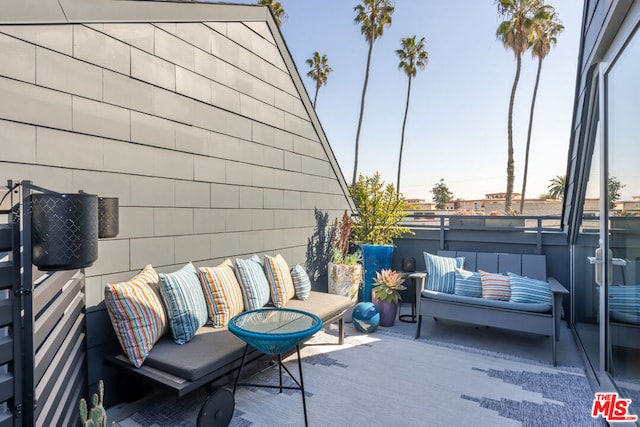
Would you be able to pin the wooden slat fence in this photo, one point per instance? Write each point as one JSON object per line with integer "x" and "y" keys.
{"x": 43, "y": 368}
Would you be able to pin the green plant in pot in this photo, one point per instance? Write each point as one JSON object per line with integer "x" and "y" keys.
{"x": 380, "y": 212}
{"x": 345, "y": 270}
{"x": 386, "y": 294}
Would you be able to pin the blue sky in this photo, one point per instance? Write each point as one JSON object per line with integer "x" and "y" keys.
{"x": 457, "y": 123}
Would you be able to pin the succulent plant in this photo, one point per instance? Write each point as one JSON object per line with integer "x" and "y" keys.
{"x": 387, "y": 286}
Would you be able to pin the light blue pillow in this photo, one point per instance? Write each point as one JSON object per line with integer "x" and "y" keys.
{"x": 441, "y": 272}
{"x": 525, "y": 289}
{"x": 253, "y": 282}
{"x": 185, "y": 302}
{"x": 301, "y": 282}
{"x": 468, "y": 283}
{"x": 625, "y": 299}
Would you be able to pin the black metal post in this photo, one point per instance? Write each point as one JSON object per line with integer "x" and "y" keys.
{"x": 26, "y": 284}
{"x": 18, "y": 374}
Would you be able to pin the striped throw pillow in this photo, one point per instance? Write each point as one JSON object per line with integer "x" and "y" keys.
{"x": 137, "y": 314}
{"x": 301, "y": 282}
{"x": 524, "y": 289}
{"x": 253, "y": 282}
{"x": 222, "y": 291}
{"x": 185, "y": 302}
{"x": 625, "y": 299}
{"x": 441, "y": 272}
{"x": 468, "y": 283}
{"x": 495, "y": 286}
{"x": 279, "y": 278}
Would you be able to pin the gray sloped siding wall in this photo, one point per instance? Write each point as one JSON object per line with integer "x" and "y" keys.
{"x": 198, "y": 128}
{"x": 597, "y": 32}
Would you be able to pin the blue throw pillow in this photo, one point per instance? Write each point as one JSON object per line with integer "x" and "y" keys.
{"x": 525, "y": 289}
{"x": 441, "y": 272}
{"x": 625, "y": 299}
{"x": 468, "y": 283}
{"x": 253, "y": 282}
{"x": 186, "y": 306}
{"x": 301, "y": 282}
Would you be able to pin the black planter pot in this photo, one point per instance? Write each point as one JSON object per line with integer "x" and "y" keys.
{"x": 108, "y": 217}
{"x": 65, "y": 230}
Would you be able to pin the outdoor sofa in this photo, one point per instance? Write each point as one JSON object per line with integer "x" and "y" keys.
{"x": 455, "y": 290}
{"x": 624, "y": 313}
{"x": 213, "y": 354}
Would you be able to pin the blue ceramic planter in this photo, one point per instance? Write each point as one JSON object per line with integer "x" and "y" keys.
{"x": 374, "y": 258}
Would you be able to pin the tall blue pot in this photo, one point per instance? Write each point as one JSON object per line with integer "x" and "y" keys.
{"x": 374, "y": 258}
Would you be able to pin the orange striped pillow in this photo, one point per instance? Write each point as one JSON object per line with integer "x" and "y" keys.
{"x": 222, "y": 291}
{"x": 495, "y": 286}
{"x": 280, "y": 281}
{"x": 137, "y": 314}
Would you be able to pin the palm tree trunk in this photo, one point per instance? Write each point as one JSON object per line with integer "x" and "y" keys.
{"x": 364, "y": 92}
{"x": 404, "y": 123}
{"x": 510, "y": 168}
{"x": 315, "y": 98}
{"x": 526, "y": 155}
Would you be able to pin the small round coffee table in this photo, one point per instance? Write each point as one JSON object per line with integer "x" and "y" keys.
{"x": 275, "y": 331}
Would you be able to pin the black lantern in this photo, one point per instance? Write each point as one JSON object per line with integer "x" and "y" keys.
{"x": 65, "y": 230}
{"x": 108, "y": 217}
{"x": 409, "y": 264}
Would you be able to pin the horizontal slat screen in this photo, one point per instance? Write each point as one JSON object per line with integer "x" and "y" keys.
{"x": 48, "y": 318}
{"x": 6, "y": 311}
{"x": 6, "y": 419}
{"x": 5, "y": 237}
{"x": 60, "y": 346}
{"x": 6, "y": 387}
{"x": 6, "y": 350}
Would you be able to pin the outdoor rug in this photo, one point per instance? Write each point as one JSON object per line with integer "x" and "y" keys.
{"x": 386, "y": 379}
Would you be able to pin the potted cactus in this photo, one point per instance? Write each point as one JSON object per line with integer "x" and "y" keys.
{"x": 97, "y": 416}
{"x": 386, "y": 294}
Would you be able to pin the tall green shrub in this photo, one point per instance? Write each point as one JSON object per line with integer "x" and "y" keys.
{"x": 380, "y": 211}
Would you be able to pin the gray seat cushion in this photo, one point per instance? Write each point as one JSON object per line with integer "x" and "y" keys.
{"x": 520, "y": 306}
{"x": 213, "y": 348}
{"x": 322, "y": 304}
{"x": 210, "y": 349}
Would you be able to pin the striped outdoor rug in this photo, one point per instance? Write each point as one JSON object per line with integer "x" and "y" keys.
{"x": 384, "y": 379}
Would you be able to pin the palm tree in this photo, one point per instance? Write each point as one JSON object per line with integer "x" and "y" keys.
{"x": 513, "y": 31}
{"x": 545, "y": 27}
{"x": 412, "y": 56}
{"x": 556, "y": 187}
{"x": 276, "y": 8}
{"x": 319, "y": 72}
{"x": 373, "y": 16}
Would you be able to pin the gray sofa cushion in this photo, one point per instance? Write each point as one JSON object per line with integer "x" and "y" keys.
{"x": 322, "y": 304}
{"x": 623, "y": 317}
{"x": 522, "y": 306}
{"x": 211, "y": 348}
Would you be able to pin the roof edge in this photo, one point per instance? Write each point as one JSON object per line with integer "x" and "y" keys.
{"x": 87, "y": 11}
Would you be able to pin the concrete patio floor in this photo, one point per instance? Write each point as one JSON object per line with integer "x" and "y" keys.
{"x": 530, "y": 348}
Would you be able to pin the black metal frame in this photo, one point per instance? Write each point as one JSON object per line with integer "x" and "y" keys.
{"x": 300, "y": 384}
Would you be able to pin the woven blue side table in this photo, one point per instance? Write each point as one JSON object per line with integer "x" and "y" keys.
{"x": 275, "y": 331}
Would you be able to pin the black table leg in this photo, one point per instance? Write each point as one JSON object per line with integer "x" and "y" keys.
{"x": 410, "y": 318}
{"x": 235, "y": 384}
{"x": 280, "y": 368}
{"x": 304, "y": 402}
